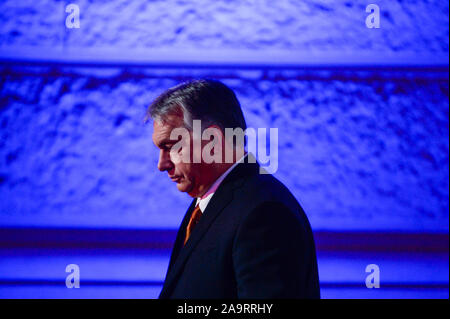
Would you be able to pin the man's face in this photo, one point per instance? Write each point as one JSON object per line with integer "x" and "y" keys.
{"x": 192, "y": 178}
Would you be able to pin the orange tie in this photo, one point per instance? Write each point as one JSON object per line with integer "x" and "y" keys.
{"x": 195, "y": 217}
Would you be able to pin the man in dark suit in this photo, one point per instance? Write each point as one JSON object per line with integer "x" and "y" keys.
{"x": 244, "y": 234}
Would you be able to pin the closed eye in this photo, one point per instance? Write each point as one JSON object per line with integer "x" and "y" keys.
{"x": 167, "y": 146}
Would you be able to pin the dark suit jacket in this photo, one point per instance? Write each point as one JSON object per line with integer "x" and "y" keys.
{"x": 252, "y": 241}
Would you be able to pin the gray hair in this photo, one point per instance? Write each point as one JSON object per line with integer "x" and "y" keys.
{"x": 210, "y": 101}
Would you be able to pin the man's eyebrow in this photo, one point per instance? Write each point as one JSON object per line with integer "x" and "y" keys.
{"x": 165, "y": 142}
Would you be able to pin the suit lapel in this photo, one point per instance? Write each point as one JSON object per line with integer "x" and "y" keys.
{"x": 180, "y": 235}
{"x": 215, "y": 206}
{"x": 222, "y": 197}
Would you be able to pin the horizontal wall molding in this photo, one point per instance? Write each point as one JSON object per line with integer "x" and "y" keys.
{"x": 160, "y": 239}
{"x": 178, "y": 57}
{"x": 139, "y": 283}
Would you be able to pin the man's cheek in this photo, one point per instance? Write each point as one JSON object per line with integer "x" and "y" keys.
{"x": 175, "y": 158}
{"x": 179, "y": 156}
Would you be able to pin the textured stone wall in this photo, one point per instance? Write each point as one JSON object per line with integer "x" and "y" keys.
{"x": 358, "y": 153}
{"x": 417, "y": 26}
{"x": 360, "y": 149}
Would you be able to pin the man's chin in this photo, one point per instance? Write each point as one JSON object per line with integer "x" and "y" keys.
{"x": 187, "y": 188}
{"x": 182, "y": 187}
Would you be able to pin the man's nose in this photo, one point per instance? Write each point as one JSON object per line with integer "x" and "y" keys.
{"x": 164, "y": 162}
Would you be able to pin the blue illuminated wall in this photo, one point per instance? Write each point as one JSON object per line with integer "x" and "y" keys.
{"x": 362, "y": 116}
{"x": 358, "y": 153}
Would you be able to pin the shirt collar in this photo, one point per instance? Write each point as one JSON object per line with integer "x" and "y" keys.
{"x": 204, "y": 200}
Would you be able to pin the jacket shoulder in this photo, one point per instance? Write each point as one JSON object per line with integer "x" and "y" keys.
{"x": 265, "y": 187}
